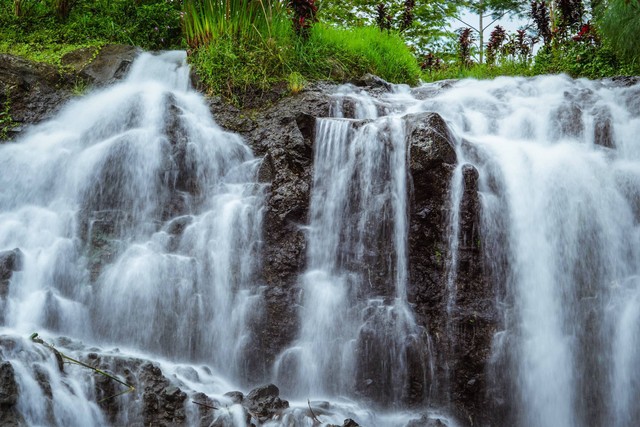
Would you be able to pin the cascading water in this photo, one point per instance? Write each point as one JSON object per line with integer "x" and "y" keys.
{"x": 139, "y": 226}
{"x": 559, "y": 183}
{"x": 358, "y": 335}
{"x": 139, "y": 221}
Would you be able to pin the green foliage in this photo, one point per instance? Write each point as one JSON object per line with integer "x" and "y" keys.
{"x": 358, "y": 51}
{"x": 230, "y": 66}
{"x": 619, "y": 24}
{"x": 429, "y": 23}
{"x": 579, "y": 60}
{"x": 151, "y": 24}
{"x": 207, "y": 20}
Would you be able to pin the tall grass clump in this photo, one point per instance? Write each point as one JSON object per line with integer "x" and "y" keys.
{"x": 240, "y": 20}
{"x": 619, "y": 24}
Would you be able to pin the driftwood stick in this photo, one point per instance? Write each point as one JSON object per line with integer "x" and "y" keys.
{"x": 61, "y": 356}
{"x": 205, "y": 405}
{"x": 313, "y": 415}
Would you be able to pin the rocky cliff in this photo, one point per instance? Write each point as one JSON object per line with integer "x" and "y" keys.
{"x": 282, "y": 133}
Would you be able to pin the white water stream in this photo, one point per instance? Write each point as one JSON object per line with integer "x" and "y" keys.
{"x": 562, "y": 210}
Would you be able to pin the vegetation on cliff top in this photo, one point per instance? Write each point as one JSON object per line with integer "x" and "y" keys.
{"x": 240, "y": 44}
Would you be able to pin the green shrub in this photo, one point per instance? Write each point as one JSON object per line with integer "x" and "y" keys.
{"x": 579, "y": 59}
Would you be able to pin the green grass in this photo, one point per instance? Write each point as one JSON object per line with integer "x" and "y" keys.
{"x": 357, "y": 51}
{"x": 230, "y": 65}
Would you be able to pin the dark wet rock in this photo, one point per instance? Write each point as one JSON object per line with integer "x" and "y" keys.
{"x": 350, "y": 423}
{"x": 431, "y": 163}
{"x": 235, "y": 396}
{"x": 33, "y": 91}
{"x": 103, "y": 229}
{"x": 430, "y": 90}
{"x": 567, "y": 120}
{"x": 623, "y": 81}
{"x": 372, "y": 82}
{"x": 10, "y": 261}
{"x": 206, "y": 409}
{"x": 163, "y": 402}
{"x": 9, "y": 392}
{"x": 264, "y": 402}
{"x": 426, "y": 421}
{"x": 104, "y": 67}
{"x": 474, "y": 318}
{"x": 462, "y": 340}
{"x": 8, "y": 385}
{"x": 603, "y": 129}
{"x": 283, "y": 135}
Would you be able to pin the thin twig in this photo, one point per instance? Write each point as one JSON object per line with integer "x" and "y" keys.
{"x": 60, "y": 356}
{"x": 205, "y": 405}
{"x": 313, "y": 415}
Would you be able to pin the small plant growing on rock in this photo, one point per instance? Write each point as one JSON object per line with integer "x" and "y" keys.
{"x": 296, "y": 83}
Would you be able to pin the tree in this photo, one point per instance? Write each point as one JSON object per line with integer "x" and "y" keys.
{"x": 490, "y": 11}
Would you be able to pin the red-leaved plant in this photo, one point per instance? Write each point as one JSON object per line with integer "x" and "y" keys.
{"x": 304, "y": 16}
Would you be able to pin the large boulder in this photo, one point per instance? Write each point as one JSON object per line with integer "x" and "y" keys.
{"x": 100, "y": 66}
{"x": 264, "y": 402}
{"x": 31, "y": 91}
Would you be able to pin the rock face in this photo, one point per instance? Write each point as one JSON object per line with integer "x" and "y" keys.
{"x": 31, "y": 91}
{"x": 283, "y": 134}
{"x": 10, "y": 261}
{"x": 35, "y": 91}
{"x": 462, "y": 338}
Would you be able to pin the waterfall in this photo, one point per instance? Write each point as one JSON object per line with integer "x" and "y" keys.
{"x": 138, "y": 223}
{"x": 559, "y": 176}
{"x": 357, "y": 335}
{"x": 139, "y": 220}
